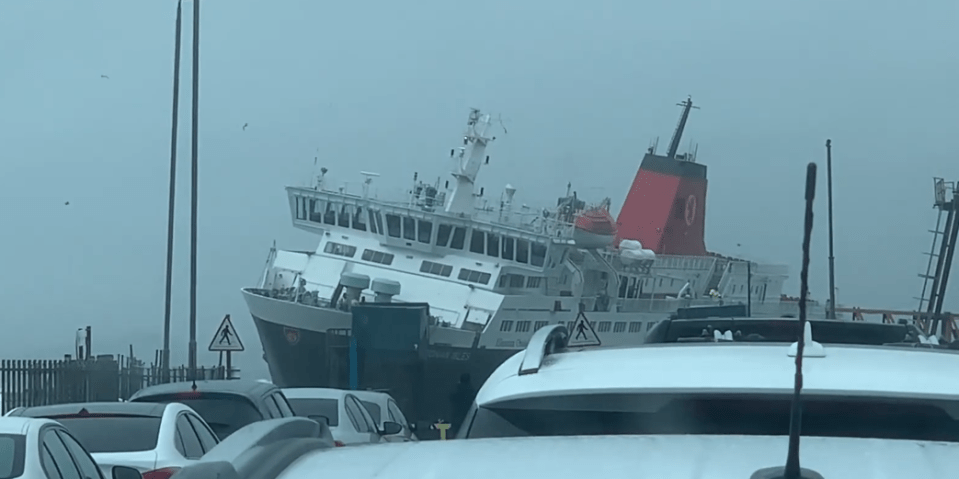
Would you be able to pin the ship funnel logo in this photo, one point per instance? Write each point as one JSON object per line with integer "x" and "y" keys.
{"x": 292, "y": 335}
{"x": 690, "y": 210}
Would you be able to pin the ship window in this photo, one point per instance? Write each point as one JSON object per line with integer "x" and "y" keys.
{"x": 339, "y": 249}
{"x": 538, "y": 254}
{"x": 379, "y": 221}
{"x": 492, "y": 245}
{"x": 476, "y": 242}
{"x": 344, "y": 217}
{"x": 619, "y": 327}
{"x": 409, "y": 228}
{"x": 522, "y": 326}
{"x": 459, "y": 238}
{"x": 358, "y": 223}
{"x": 474, "y": 276}
{"x": 650, "y": 325}
{"x": 301, "y": 208}
{"x": 540, "y": 325}
{"x": 438, "y": 269}
{"x": 372, "y": 215}
{"x": 424, "y": 232}
{"x": 380, "y": 257}
{"x": 516, "y": 280}
{"x": 329, "y": 215}
{"x": 602, "y": 327}
{"x": 533, "y": 282}
{"x": 623, "y": 285}
{"x": 635, "y": 327}
{"x": 522, "y": 251}
{"x": 506, "y": 326}
{"x": 503, "y": 280}
{"x": 507, "y": 249}
{"x": 443, "y": 234}
{"x": 393, "y": 225}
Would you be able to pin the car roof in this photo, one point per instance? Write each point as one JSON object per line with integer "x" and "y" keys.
{"x": 248, "y": 388}
{"x": 315, "y": 393}
{"x": 676, "y": 456}
{"x": 131, "y": 408}
{"x": 20, "y": 425}
{"x": 721, "y": 367}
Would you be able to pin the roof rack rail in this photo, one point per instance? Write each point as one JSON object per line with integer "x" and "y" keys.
{"x": 545, "y": 341}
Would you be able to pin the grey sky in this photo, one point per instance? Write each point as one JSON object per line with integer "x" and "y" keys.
{"x": 385, "y": 86}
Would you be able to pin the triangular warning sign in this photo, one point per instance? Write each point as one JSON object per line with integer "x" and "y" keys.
{"x": 226, "y": 338}
{"x": 582, "y": 333}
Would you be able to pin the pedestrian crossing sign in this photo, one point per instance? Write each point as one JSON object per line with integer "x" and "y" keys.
{"x": 582, "y": 333}
{"x": 226, "y": 338}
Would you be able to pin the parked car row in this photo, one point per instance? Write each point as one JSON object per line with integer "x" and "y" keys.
{"x": 167, "y": 427}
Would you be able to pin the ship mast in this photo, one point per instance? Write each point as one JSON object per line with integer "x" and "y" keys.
{"x": 469, "y": 158}
{"x": 678, "y": 134}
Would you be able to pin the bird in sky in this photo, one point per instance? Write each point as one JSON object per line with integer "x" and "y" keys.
{"x": 66, "y": 203}
{"x": 245, "y": 125}
{"x": 104, "y": 76}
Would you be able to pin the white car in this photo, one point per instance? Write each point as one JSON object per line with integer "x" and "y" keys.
{"x": 283, "y": 449}
{"x": 384, "y": 409}
{"x": 154, "y": 438}
{"x": 721, "y": 387}
{"x": 349, "y": 421}
{"x": 40, "y": 448}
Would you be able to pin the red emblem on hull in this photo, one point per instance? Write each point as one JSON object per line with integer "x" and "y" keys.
{"x": 292, "y": 335}
{"x": 690, "y": 210}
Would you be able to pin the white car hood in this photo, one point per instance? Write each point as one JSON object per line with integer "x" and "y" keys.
{"x": 660, "y": 457}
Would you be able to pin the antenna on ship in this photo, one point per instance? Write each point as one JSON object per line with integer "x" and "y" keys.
{"x": 792, "y": 470}
{"x": 366, "y": 183}
{"x": 678, "y": 134}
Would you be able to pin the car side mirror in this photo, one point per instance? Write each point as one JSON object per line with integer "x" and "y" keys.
{"x": 123, "y": 472}
{"x": 321, "y": 419}
{"x": 390, "y": 428}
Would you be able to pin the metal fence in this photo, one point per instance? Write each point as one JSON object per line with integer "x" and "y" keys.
{"x": 25, "y": 383}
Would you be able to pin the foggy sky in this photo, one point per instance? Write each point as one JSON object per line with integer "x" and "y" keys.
{"x": 386, "y": 86}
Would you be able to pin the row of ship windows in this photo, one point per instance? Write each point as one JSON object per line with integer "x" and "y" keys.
{"x": 429, "y": 267}
{"x": 518, "y": 281}
{"x": 632, "y": 287}
{"x": 447, "y": 236}
{"x": 601, "y": 327}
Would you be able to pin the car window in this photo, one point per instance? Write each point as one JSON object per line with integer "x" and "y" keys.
{"x": 285, "y": 407}
{"x": 373, "y": 409}
{"x": 88, "y": 468}
{"x": 192, "y": 449}
{"x": 271, "y": 407}
{"x": 307, "y": 407}
{"x": 224, "y": 413}
{"x": 113, "y": 433}
{"x": 12, "y": 453}
{"x": 207, "y": 439}
{"x": 356, "y": 413}
{"x": 865, "y": 417}
{"x": 397, "y": 413}
{"x": 49, "y": 466}
{"x": 65, "y": 467}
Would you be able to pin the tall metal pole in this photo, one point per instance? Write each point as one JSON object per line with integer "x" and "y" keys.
{"x": 193, "y": 186}
{"x": 832, "y": 259}
{"x": 749, "y": 288}
{"x": 165, "y": 361}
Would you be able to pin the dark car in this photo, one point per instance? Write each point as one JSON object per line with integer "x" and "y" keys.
{"x": 226, "y": 405}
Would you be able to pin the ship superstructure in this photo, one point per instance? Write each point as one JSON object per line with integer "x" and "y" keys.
{"x": 494, "y": 274}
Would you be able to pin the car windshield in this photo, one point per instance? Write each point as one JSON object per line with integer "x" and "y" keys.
{"x": 311, "y": 407}
{"x": 225, "y": 413}
{"x": 374, "y": 410}
{"x": 11, "y": 455}
{"x": 830, "y": 416}
{"x": 107, "y": 433}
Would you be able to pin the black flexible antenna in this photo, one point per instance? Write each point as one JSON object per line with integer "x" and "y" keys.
{"x": 792, "y": 470}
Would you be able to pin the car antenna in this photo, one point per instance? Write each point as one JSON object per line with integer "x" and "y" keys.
{"x": 792, "y": 470}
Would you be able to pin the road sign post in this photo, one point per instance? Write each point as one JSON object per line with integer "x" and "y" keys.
{"x": 226, "y": 340}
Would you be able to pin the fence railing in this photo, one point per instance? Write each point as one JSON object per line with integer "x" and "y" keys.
{"x": 26, "y": 383}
